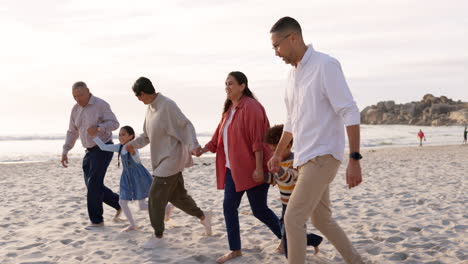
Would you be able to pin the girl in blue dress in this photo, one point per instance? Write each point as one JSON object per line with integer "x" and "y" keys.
{"x": 135, "y": 181}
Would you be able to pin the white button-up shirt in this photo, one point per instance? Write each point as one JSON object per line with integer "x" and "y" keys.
{"x": 319, "y": 104}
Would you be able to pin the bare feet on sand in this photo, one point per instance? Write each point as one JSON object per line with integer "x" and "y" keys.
{"x": 280, "y": 248}
{"x": 206, "y": 222}
{"x": 168, "y": 213}
{"x": 129, "y": 228}
{"x": 229, "y": 256}
{"x": 316, "y": 250}
{"x": 94, "y": 225}
{"x": 117, "y": 215}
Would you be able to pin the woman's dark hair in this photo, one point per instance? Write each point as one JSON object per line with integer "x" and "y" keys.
{"x": 273, "y": 135}
{"x": 240, "y": 79}
{"x": 131, "y": 132}
{"x": 143, "y": 85}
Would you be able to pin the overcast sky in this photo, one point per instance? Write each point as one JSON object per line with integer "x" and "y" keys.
{"x": 389, "y": 50}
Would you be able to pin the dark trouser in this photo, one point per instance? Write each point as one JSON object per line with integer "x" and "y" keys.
{"x": 95, "y": 165}
{"x": 258, "y": 203}
{"x": 169, "y": 189}
{"x": 312, "y": 239}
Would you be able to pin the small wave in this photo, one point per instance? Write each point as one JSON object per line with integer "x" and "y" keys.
{"x": 385, "y": 143}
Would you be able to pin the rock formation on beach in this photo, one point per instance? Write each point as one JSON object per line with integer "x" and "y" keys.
{"x": 430, "y": 111}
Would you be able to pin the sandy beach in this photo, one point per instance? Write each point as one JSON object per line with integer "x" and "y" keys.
{"x": 411, "y": 208}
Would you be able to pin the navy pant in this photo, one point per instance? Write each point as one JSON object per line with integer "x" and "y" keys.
{"x": 312, "y": 239}
{"x": 95, "y": 165}
{"x": 258, "y": 203}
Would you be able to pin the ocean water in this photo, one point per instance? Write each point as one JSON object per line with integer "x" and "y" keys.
{"x": 38, "y": 148}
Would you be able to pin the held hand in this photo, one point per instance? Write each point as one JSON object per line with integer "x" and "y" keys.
{"x": 258, "y": 175}
{"x": 273, "y": 163}
{"x": 92, "y": 131}
{"x": 64, "y": 160}
{"x": 353, "y": 174}
{"x": 201, "y": 151}
{"x": 130, "y": 149}
{"x": 197, "y": 152}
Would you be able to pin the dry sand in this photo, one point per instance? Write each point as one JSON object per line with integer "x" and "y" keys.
{"x": 411, "y": 208}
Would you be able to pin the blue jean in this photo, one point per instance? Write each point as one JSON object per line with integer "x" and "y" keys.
{"x": 312, "y": 239}
{"x": 258, "y": 203}
{"x": 95, "y": 165}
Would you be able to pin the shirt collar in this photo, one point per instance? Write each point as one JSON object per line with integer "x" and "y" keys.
{"x": 310, "y": 50}
{"x": 241, "y": 102}
{"x": 156, "y": 101}
{"x": 92, "y": 100}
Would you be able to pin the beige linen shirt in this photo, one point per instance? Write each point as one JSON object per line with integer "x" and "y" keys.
{"x": 96, "y": 113}
{"x": 171, "y": 137}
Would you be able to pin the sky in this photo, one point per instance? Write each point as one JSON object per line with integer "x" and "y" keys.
{"x": 389, "y": 50}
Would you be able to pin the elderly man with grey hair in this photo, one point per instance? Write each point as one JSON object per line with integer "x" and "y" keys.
{"x": 91, "y": 112}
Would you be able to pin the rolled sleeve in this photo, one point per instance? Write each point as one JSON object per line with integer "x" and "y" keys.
{"x": 337, "y": 91}
{"x": 257, "y": 126}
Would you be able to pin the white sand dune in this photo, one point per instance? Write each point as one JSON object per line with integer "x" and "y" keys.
{"x": 411, "y": 208}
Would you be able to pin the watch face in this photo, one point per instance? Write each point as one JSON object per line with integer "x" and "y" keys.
{"x": 355, "y": 155}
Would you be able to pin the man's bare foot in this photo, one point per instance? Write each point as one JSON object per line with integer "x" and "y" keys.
{"x": 316, "y": 250}
{"x": 94, "y": 225}
{"x": 169, "y": 209}
{"x": 117, "y": 215}
{"x": 280, "y": 248}
{"x": 206, "y": 222}
{"x": 129, "y": 228}
{"x": 229, "y": 256}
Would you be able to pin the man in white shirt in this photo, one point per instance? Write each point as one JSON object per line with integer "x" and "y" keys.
{"x": 319, "y": 104}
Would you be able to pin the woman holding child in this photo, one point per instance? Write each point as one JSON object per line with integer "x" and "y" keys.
{"x": 241, "y": 156}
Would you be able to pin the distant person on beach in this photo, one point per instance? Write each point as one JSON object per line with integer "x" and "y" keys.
{"x": 286, "y": 180}
{"x": 91, "y": 111}
{"x": 135, "y": 180}
{"x": 319, "y": 105}
{"x": 240, "y": 155}
{"x": 464, "y": 136}
{"x": 172, "y": 140}
{"x": 421, "y": 136}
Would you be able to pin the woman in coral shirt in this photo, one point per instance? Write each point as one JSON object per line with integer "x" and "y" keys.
{"x": 240, "y": 156}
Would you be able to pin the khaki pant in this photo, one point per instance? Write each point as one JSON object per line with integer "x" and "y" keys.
{"x": 169, "y": 189}
{"x": 311, "y": 199}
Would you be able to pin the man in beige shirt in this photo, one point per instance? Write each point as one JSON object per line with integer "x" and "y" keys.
{"x": 172, "y": 140}
{"x": 92, "y": 112}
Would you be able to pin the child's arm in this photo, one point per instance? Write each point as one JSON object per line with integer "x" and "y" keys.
{"x": 136, "y": 156}
{"x": 287, "y": 174}
{"x": 106, "y": 147}
{"x": 269, "y": 178}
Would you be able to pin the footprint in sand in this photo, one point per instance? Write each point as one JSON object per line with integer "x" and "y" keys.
{"x": 398, "y": 256}
{"x": 78, "y": 243}
{"x": 415, "y": 229}
{"x": 29, "y": 246}
{"x": 66, "y": 241}
{"x": 394, "y": 239}
{"x": 373, "y": 251}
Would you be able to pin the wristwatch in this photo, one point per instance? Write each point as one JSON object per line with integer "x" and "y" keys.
{"x": 355, "y": 156}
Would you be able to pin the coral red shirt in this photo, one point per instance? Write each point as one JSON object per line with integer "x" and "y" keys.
{"x": 420, "y": 134}
{"x": 245, "y": 136}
